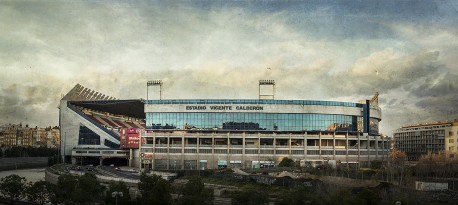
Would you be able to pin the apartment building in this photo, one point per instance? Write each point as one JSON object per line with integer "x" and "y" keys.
{"x": 417, "y": 140}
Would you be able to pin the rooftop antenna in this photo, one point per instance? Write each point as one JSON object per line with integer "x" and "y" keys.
{"x": 154, "y": 83}
{"x": 263, "y": 96}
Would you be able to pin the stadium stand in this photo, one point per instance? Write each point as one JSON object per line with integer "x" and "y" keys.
{"x": 111, "y": 121}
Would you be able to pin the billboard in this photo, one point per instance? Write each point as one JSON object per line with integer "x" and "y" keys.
{"x": 130, "y": 138}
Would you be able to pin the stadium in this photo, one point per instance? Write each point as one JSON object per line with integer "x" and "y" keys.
{"x": 175, "y": 134}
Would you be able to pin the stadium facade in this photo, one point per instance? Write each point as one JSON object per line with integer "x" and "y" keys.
{"x": 210, "y": 134}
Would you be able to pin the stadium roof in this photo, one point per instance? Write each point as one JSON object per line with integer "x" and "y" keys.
{"x": 80, "y": 93}
{"x": 131, "y": 108}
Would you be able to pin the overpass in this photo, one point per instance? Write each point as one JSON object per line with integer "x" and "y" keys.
{"x": 100, "y": 156}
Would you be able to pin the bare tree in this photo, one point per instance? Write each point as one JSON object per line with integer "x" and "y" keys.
{"x": 396, "y": 165}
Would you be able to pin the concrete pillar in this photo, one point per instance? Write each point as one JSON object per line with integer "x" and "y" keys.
{"x": 334, "y": 145}
{"x": 131, "y": 157}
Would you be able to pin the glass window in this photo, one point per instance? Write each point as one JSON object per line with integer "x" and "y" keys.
{"x": 111, "y": 144}
{"x": 87, "y": 136}
{"x": 254, "y": 121}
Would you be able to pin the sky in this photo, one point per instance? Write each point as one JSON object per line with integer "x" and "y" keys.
{"x": 314, "y": 50}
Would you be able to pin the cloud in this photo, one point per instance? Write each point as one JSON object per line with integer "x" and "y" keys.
{"x": 386, "y": 70}
{"x": 443, "y": 85}
{"x": 315, "y": 50}
{"x": 31, "y": 105}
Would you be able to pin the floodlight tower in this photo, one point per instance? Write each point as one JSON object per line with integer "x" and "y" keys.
{"x": 267, "y": 83}
{"x": 154, "y": 83}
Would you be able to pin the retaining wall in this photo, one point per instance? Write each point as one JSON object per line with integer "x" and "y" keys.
{"x": 22, "y": 163}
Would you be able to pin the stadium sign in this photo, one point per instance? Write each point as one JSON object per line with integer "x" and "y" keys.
{"x": 224, "y": 107}
{"x": 145, "y": 155}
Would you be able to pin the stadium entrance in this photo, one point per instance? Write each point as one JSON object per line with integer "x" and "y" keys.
{"x": 115, "y": 162}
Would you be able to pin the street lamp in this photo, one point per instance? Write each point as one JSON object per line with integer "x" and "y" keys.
{"x": 115, "y": 194}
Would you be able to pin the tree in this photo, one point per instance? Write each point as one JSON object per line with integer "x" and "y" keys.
{"x": 40, "y": 192}
{"x": 295, "y": 196}
{"x": 396, "y": 161}
{"x": 286, "y": 162}
{"x": 117, "y": 187}
{"x": 369, "y": 196}
{"x": 17, "y": 151}
{"x": 88, "y": 190}
{"x": 376, "y": 164}
{"x": 433, "y": 165}
{"x": 343, "y": 197}
{"x": 12, "y": 186}
{"x": 250, "y": 196}
{"x": 66, "y": 185}
{"x": 194, "y": 192}
{"x": 154, "y": 190}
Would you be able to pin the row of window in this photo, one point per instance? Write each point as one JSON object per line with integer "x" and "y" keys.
{"x": 419, "y": 133}
{"x": 255, "y": 121}
{"x": 423, "y": 127}
{"x": 293, "y": 152}
{"x": 278, "y": 102}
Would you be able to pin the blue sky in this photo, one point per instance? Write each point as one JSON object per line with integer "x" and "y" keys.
{"x": 320, "y": 50}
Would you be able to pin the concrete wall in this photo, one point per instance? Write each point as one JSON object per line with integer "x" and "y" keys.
{"x": 430, "y": 186}
{"x": 51, "y": 175}
{"x": 22, "y": 163}
{"x": 70, "y": 123}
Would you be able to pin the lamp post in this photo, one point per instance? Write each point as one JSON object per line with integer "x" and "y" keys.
{"x": 115, "y": 194}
